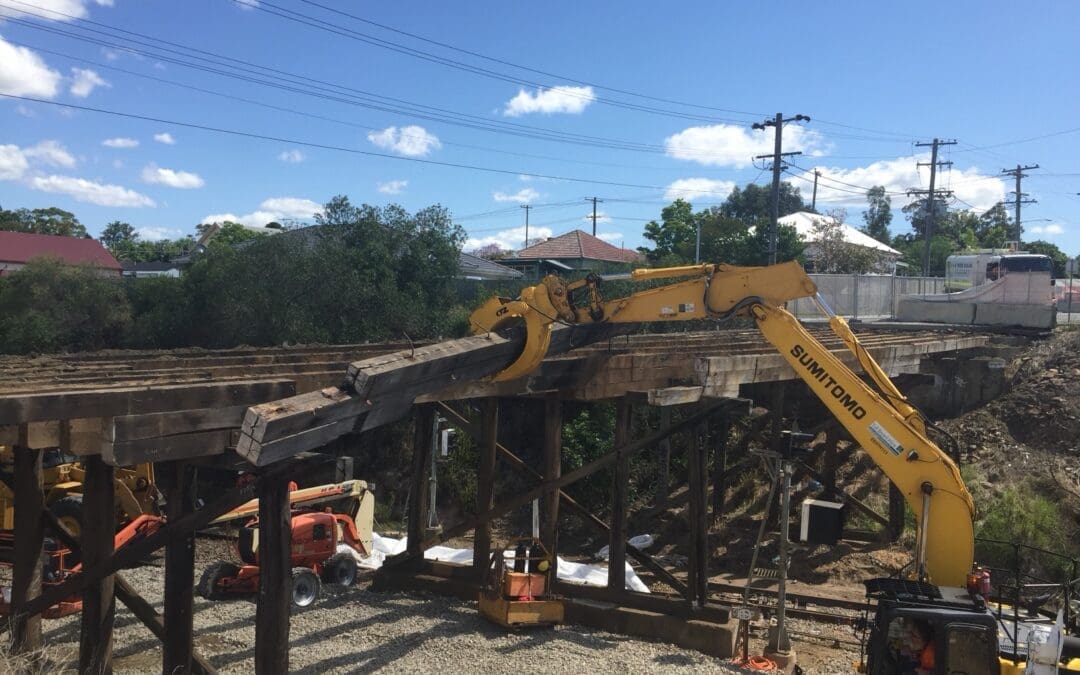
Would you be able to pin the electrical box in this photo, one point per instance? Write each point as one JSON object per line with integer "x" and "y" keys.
{"x": 822, "y": 522}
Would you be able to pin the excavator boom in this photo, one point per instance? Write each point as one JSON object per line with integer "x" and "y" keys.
{"x": 883, "y": 422}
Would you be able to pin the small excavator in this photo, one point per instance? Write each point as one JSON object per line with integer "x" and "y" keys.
{"x": 942, "y": 596}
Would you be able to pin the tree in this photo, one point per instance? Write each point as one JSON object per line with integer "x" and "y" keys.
{"x": 489, "y": 252}
{"x": 833, "y": 254}
{"x": 919, "y": 215}
{"x": 232, "y": 234}
{"x": 51, "y": 220}
{"x": 49, "y": 306}
{"x": 338, "y": 211}
{"x": 1057, "y": 256}
{"x": 878, "y": 214}
{"x": 116, "y": 233}
{"x": 670, "y": 236}
{"x": 753, "y": 203}
{"x": 994, "y": 227}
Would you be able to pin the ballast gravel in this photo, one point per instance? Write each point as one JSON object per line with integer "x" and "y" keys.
{"x": 353, "y": 630}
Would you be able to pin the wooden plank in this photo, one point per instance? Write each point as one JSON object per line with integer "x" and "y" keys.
{"x": 387, "y": 381}
{"x": 620, "y": 489}
{"x": 485, "y": 482}
{"x": 15, "y": 408}
{"x": 549, "y": 533}
{"x": 720, "y": 467}
{"x": 697, "y": 478}
{"x": 29, "y": 540}
{"x": 178, "y": 650}
{"x": 155, "y": 425}
{"x": 99, "y": 604}
{"x": 663, "y": 482}
{"x": 420, "y": 477}
{"x": 272, "y": 612}
{"x": 169, "y": 448}
{"x": 675, "y": 395}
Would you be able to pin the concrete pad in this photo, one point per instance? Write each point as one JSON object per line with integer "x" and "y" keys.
{"x": 785, "y": 661}
{"x": 916, "y": 309}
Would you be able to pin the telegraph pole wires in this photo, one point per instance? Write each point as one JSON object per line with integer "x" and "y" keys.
{"x": 931, "y": 205}
{"x": 777, "y": 158}
{"x": 526, "y": 207}
{"x": 1018, "y": 196}
{"x": 594, "y": 200}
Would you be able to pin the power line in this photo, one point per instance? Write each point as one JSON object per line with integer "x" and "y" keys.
{"x": 338, "y": 148}
{"x": 931, "y": 205}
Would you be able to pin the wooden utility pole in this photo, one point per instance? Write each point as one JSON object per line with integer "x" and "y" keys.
{"x": 931, "y": 205}
{"x": 777, "y": 167}
{"x": 813, "y": 202}
{"x": 526, "y": 207}
{"x": 1018, "y": 196}
{"x": 594, "y": 200}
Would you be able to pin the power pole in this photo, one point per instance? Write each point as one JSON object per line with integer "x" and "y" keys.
{"x": 931, "y": 205}
{"x": 594, "y": 200}
{"x": 1018, "y": 196}
{"x": 526, "y": 207}
{"x": 777, "y": 158}
{"x": 813, "y": 202}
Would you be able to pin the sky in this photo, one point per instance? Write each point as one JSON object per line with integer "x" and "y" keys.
{"x": 168, "y": 113}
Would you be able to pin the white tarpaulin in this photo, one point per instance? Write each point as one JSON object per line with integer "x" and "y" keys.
{"x": 578, "y": 573}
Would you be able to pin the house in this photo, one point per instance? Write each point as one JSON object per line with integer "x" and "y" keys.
{"x": 575, "y": 251}
{"x": 804, "y": 223}
{"x": 476, "y": 268}
{"x": 142, "y": 270}
{"x": 19, "y": 248}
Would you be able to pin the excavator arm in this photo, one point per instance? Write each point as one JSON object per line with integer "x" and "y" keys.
{"x": 883, "y": 422}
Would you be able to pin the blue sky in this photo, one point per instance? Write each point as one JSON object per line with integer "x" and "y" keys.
{"x": 636, "y": 103}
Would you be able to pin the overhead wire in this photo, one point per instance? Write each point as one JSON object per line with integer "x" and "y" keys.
{"x": 338, "y": 148}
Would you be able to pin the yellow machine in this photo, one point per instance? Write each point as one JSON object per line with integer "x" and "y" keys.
{"x": 516, "y": 591}
{"x": 877, "y": 415}
{"x": 63, "y": 474}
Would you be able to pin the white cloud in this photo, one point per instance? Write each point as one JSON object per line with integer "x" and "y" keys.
{"x": 292, "y": 156}
{"x": 562, "y": 99}
{"x": 84, "y": 190}
{"x": 24, "y": 73}
{"x": 120, "y": 142}
{"x": 183, "y": 180}
{"x": 411, "y": 141}
{"x": 847, "y": 186}
{"x": 392, "y": 187}
{"x": 699, "y": 190}
{"x": 56, "y": 10}
{"x": 24, "y": 111}
{"x": 601, "y": 217}
{"x": 13, "y": 163}
{"x": 1051, "y": 230}
{"x": 609, "y": 237}
{"x": 247, "y": 4}
{"x": 508, "y": 240}
{"x": 522, "y": 196}
{"x": 51, "y": 152}
{"x": 271, "y": 210}
{"x": 736, "y": 146}
{"x": 84, "y": 81}
{"x": 118, "y": 164}
{"x": 157, "y": 233}
{"x": 165, "y": 137}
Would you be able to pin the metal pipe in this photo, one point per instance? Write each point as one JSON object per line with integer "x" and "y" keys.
{"x": 819, "y": 300}
{"x": 920, "y": 553}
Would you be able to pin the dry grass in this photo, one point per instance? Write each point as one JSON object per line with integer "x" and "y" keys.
{"x": 48, "y": 659}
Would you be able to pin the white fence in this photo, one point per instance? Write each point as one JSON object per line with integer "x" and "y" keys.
{"x": 864, "y": 296}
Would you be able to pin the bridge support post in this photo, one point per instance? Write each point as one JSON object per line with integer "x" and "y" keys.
{"x": 485, "y": 489}
{"x": 621, "y": 487}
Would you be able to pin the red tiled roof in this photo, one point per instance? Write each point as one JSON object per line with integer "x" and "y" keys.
{"x": 578, "y": 244}
{"x": 20, "y": 247}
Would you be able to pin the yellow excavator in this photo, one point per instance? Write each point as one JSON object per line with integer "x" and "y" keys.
{"x": 941, "y": 594}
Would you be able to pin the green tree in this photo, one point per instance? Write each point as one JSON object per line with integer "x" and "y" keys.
{"x": 50, "y": 220}
{"x": 994, "y": 227}
{"x": 232, "y": 234}
{"x": 116, "y": 233}
{"x": 753, "y": 203}
{"x": 918, "y": 215}
{"x": 878, "y": 214}
{"x": 50, "y": 307}
{"x": 1057, "y": 256}
{"x": 671, "y": 235}
{"x": 833, "y": 254}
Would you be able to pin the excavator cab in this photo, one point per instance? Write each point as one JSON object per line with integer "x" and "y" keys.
{"x": 922, "y": 628}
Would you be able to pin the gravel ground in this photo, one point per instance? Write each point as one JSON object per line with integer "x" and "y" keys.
{"x": 354, "y": 630}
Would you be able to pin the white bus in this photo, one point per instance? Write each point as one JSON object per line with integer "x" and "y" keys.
{"x": 975, "y": 269}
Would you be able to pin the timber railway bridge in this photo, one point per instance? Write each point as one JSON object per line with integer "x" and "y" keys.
{"x": 272, "y": 410}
